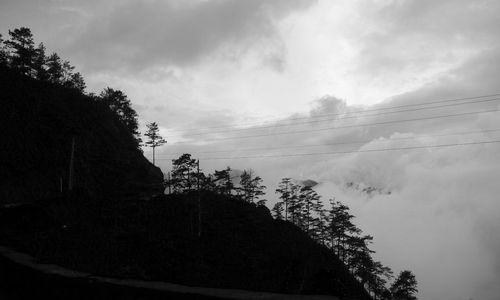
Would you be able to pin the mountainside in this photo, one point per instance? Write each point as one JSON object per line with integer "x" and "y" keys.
{"x": 39, "y": 121}
{"x": 103, "y": 227}
{"x": 239, "y": 245}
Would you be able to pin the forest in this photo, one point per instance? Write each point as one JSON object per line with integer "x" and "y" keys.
{"x": 330, "y": 225}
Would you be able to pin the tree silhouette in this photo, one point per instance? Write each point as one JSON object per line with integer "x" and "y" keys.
{"x": 223, "y": 182}
{"x": 284, "y": 188}
{"x": 76, "y": 81}
{"x": 19, "y": 53}
{"x": 251, "y": 187}
{"x": 319, "y": 228}
{"x": 118, "y": 102}
{"x": 22, "y": 50}
{"x": 405, "y": 286}
{"x": 54, "y": 68}
{"x": 340, "y": 227}
{"x": 39, "y": 64}
{"x": 3, "y": 53}
{"x": 278, "y": 211}
{"x": 184, "y": 173}
{"x": 154, "y": 138}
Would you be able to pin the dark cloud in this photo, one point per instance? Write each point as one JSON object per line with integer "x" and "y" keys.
{"x": 164, "y": 33}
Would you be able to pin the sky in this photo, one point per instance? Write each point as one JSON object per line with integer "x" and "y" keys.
{"x": 313, "y": 90}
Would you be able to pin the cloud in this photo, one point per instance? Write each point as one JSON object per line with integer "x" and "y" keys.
{"x": 138, "y": 36}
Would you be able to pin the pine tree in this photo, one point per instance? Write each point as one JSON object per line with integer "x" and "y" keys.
{"x": 319, "y": 226}
{"x": 251, "y": 187}
{"x": 295, "y": 205}
{"x": 404, "y": 287}
{"x": 55, "y": 68}
{"x": 278, "y": 211}
{"x": 3, "y": 53}
{"x": 223, "y": 182}
{"x": 77, "y": 82}
{"x": 306, "y": 196}
{"x": 22, "y": 50}
{"x": 118, "y": 102}
{"x": 154, "y": 138}
{"x": 184, "y": 174}
{"x": 39, "y": 64}
{"x": 284, "y": 188}
{"x": 340, "y": 227}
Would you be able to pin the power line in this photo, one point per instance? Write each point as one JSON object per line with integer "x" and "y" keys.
{"x": 339, "y": 143}
{"x": 346, "y": 126}
{"x": 334, "y": 119}
{"x": 359, "y": 111}
{"x": 350, "y": 152}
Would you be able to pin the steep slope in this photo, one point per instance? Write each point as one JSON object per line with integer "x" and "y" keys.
{"x": 39, "y": 121}
{"x": 240, "y": 246}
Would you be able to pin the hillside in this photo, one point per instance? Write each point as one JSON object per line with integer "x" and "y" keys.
{"x": 39, "y": 121}
{"x": 240, "y": 246}
{"x": 104, "y": 227}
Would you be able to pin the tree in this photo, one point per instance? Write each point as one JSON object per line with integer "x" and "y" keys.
{"x": 54, "y": 68}
{"x": 3, "y": 53}
{"x": 118, "y": 102}
{"x": 154, "y": 138}
{"x": 223, "y": 182}
{"x": 278, "y": 211}
{"x": 251, "y": 187}
{"x": 22, "y": 50}
{"x": 67, "y": 72}
{"x": 405, "y": 286}
{"x": 284, "y": 190}
{"x": 319, "y": 230}
{"x": 76, "y": 81}
{"x": 39, "y": 64}
{"x": 184, "y": 173}
{"x": 295, "y": 205}
{"x": 340, "y": 227}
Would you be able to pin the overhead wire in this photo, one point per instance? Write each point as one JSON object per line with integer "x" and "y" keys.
{"x": 352, "y": 151}
{"x": 336, "y": 143}
{"x": 349, "y": 115}
{"x": 344, "y": 126}
{"x": 335, "y": 119}
{"x": 352, "y": 112}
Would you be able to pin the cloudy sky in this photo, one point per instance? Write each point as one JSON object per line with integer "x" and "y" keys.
{"x": 313, "y": 90}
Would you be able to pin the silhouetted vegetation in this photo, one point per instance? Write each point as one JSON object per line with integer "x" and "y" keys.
{"x": 43, "y": 112}
{"x": 19, "y": 53}
{"x": 301, "y": 206}
{"x": 212, "y": 230}
{"x": 154, "y": 138}
{"x": 404, "y": 287}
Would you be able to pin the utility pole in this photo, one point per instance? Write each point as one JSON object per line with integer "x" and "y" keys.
{"x": 153, "y": 154}
{"x": 199, "y": 200}
{"x": 168, "y": 183}
{"x": 71, "y": 164}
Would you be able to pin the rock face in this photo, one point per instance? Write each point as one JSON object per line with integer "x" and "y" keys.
{"x": 39, "y": 123}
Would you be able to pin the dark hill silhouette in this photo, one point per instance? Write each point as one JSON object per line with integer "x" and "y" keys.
{"x": 102, "y": 227}
{"x": 241, "y": 246}
{"x": 39, "y": 120}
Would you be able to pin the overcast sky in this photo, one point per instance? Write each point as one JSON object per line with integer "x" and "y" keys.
{"x": 250, "y": 72}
